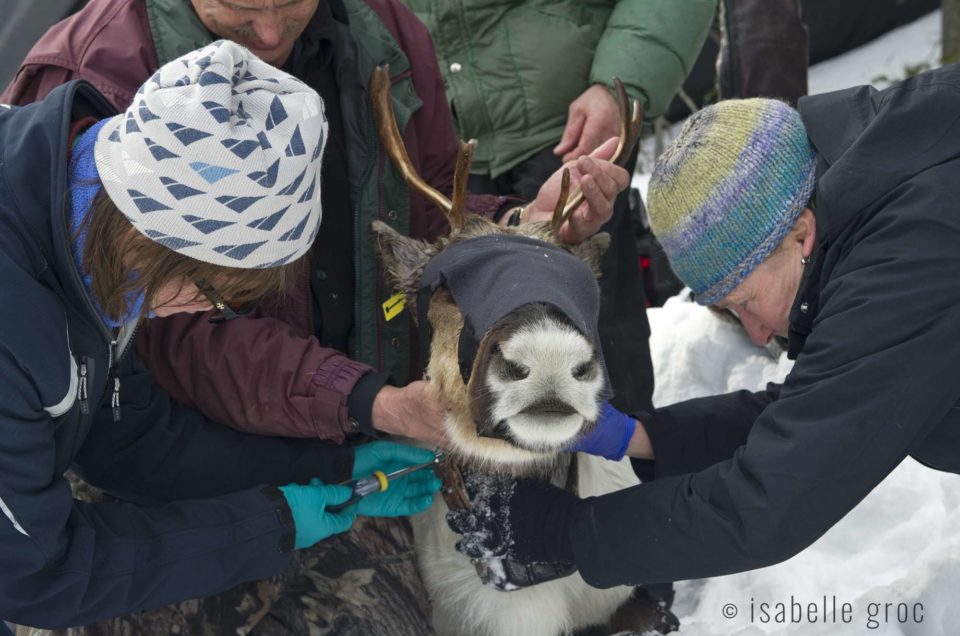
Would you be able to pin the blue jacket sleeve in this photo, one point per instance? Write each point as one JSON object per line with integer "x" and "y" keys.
{"x": 212, "y": 526}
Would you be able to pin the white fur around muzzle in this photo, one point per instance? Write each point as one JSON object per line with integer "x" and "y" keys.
{"x": 551, "y": 351}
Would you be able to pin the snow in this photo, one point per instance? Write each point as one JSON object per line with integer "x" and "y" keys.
{"x": 896, "y": 555}
{"x": 899, "y": 546}
{"x": 883, "y": 61}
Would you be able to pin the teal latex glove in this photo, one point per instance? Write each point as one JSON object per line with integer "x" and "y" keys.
{"x": 407, "y": 495}
{"x": 387, "y": 456}
{"x": 308, "y": 505}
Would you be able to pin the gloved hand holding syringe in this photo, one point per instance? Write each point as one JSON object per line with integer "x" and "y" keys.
{"x": 378, "y": 482}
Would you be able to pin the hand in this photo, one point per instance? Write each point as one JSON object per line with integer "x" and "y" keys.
{"x": 414, "y": 411}
{"x": 592, "y": 118}
{"x": 600, "y": 181}
{"x": 407, "y": 495}
{"x": 387, "y": 456}
{"x": 524, "y": 520}
{"x": 310, "y": 518}
{"x": 610, "y": 436}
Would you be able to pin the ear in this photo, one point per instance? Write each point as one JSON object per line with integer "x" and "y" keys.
{"x": 591, "y": 251}
{"x": 807, "y": 227}
{"x": 403, "y": 257}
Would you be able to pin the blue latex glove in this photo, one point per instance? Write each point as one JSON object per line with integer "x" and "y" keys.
{"x": 308, "y": 505}
{"x": 387, "y": 456}
{"x": 610, "y": 437}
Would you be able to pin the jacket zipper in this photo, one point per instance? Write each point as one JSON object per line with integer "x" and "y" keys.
{"x": 82, "y": 387}
{"x": 115, "y": 380}
{"x": 78, "y": 284}
{"x": 357, "y": 321}
{"x": 114, "y": 365}
{"x": 115, "y": 359}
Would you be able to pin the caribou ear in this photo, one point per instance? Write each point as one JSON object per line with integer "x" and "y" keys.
{"x": 591, "y": 251}
{"x": 403, "y": 257}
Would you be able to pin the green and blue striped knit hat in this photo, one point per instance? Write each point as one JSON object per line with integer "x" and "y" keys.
{"x": 725, "y": 193}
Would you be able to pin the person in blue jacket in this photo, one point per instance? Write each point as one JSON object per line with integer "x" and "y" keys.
{"x": 836, "y": 227}
{"x": 202, "y": 195}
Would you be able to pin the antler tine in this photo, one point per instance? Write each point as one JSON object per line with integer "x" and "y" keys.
{"x": 629, "y": 127}
{"x": 393, "y": 142}
{"x": 461, "y": 176}
{"x": 557, "y": 221}
{"x": 631, "y": 119}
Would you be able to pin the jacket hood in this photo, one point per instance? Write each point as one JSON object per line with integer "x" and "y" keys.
{"x": 870, "y": 142}
{"x": 33, "y": 170}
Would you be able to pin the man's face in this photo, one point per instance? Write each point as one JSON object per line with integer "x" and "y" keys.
{"x": 268, "y": 28}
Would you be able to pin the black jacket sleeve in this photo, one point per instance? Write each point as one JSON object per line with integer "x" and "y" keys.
{"x": 876, "y": 375}
{"x": 212, "y": 524}
{"x": 161, "y": 452}
{"x": 692, "y": 435}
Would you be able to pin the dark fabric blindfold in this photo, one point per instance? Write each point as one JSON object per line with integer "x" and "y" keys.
{"x": 492, "y": 276}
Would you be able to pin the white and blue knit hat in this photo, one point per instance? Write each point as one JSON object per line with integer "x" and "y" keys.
{"x": 218, "y": 158}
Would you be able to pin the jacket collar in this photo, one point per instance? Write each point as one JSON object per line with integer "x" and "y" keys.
{"x": 39, "y": 135}
{"x": 806, "y": 304}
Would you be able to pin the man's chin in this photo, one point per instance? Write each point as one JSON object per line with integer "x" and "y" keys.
{"x": 275, "y": 57}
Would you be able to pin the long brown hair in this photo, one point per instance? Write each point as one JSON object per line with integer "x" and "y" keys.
{"x": 121, "y": 261}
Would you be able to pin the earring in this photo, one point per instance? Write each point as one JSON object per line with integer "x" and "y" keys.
{"x": 804, "y": 260}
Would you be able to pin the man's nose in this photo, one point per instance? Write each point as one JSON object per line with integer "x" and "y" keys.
{"x": 269, "y": 30}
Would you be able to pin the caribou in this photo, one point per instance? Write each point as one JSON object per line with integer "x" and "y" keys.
{"x": 509, "y": 315}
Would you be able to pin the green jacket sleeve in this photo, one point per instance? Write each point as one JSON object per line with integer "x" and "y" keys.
{"x": 651, "y": 46}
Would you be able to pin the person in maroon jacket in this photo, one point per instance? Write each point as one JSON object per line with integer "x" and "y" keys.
{"x": 319, "y": 363}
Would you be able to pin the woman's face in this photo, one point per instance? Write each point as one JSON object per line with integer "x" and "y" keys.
{"x": 763, "y": 299}
{"x": 179, "y": 298}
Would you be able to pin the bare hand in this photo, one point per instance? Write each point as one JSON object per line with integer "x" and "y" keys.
{"x": 600, "y": 181}
{"x": 414, "y": 411}
{"x": 592, "y": 119}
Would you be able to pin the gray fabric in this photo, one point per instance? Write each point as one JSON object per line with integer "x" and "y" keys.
{"x": 492, "y": 276}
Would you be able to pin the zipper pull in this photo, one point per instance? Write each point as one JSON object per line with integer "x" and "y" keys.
{"x": 115, "y": 374}
{"x": 115, "y": 398}
{"x": 82, "y": 388}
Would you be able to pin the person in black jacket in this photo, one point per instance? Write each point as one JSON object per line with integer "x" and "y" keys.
{"x": 835, "y": 227}
{"x": 202, "y": 196}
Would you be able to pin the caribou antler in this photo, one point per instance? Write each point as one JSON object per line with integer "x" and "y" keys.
{"x": 393, "y": 142}
{"x": 631, "y": 118}
{"x": 558, "y": 216}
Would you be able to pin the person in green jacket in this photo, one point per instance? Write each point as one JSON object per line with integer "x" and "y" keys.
{"x": 534, "y": 75}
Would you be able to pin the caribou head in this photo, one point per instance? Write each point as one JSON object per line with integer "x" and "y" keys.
{"x": 510, "y": 314}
